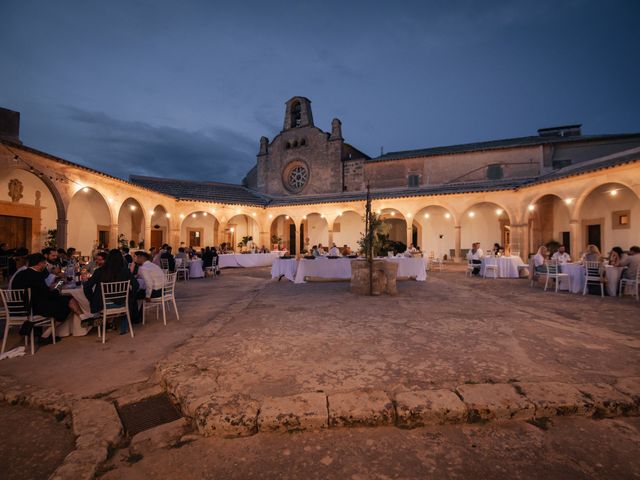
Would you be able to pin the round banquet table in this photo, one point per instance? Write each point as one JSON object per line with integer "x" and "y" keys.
{"x": 508, "y": 267}
{"x": 284, "y": 267}
{"x": 576, "y": 273}
{"x": 195, "y": 268}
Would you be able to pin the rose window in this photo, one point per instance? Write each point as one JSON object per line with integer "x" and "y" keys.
{"x": 298, "y": 177}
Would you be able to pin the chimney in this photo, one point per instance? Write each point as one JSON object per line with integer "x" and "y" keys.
{"x": 9, "y": 125}
{"x": 562, "y": 131}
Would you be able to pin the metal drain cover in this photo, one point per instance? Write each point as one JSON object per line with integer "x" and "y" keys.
{"x": 139, "y": 416}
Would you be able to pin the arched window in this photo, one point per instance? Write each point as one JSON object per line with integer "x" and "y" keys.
{"x": 296, "y": 114}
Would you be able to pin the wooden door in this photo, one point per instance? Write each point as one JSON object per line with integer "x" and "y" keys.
{"x": 15, "y": 231}
{"x": 156, "y": 239}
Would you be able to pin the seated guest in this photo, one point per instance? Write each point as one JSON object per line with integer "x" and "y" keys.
{"x": 334, "y": 251}
{"x": 152, "y": 275}
{"x": 114, "y": 269}
{"x": 632, "y": 262}
{"x": 615, "y": 256}
{"x": 346, "y": 250}
{"x": 315, "y": 252}
{"x": 413, "y": 249}
{"x": 475, "y": 256}
{"x": 497, "y": 249}
{"x": 182, "y": 254}
{"x": 45, "y": 301}
{"x": 592, "y": 255}
{"x": 561, "y": 256}
{"x": 70, "y": 254}
{"x": 53, "y": 269}
{"x": 167, "y": 255}
{"x": 21, "y": 262}
{"x": 539, "y": 259}
{"x": 97, "y": 262}
{"x": 62, "y": 257}
{"x": 156, "y": 258}
{"x": 321, "y": 250}
{"x": 207, "y": 257}
{"x": 127, "y": 256}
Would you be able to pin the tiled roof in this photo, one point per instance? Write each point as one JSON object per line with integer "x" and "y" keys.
{"x": 496, "y": 145}
{"x": 206, "y": 191}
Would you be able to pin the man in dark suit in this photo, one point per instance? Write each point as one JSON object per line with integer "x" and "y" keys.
{"x": 171, "y": 260}
{"x": 45, "y": 301}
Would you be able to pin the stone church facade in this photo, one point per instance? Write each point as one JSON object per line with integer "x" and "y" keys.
{"x": 308, "y": 186}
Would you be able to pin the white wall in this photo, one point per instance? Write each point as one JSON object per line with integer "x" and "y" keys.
{"x": 318, "y": 230}
{"x": 131, "y": 222}
{"x": 31, "y": 183}
{"x": 484, "y": 227}
{"x": 600, "y": 204}
{"x": 244, "y": 226}
{"x": 351, "y": 229}
{"x": 86, "y": 211}
{"x": 560, "y": 219}
{"x": 432, "y": 228}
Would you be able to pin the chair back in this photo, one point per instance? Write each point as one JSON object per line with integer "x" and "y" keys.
{"x": 169, "y": 284}
{"x": 178, "y": 262}
{"x": 164, "y": 263}
{"x": 592, "y": 269}
{"x": 16, "y": 303}
{"x": 214, "y": 262}
{"x": 115, "y": 294}
{"x": 552, "y": 267}
{"x": 491, "y": 260}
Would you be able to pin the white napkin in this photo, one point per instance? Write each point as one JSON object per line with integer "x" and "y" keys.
{"x": 16, "y": 352}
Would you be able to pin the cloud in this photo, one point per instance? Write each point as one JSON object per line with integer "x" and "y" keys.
{"x": 121, "y": 148}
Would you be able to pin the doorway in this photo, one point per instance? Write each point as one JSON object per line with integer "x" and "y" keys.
{"x": 156, "y": 239}
{"x": 292, "y": 238}
{"x": 594, "y": 235}
{"x": 16, "y": 231}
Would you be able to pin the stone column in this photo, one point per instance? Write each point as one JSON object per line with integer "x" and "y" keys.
{"x": 147, "y": 236}
{"x": 576, "y": 238}
{"x": 61, "y": 233}
{"x": 458, "y": 243}
{"x": 520, "y": 240}
{"x": 174, "y": 238}
{"x": 330, "y": 238}
{"x": 114, "y": 230}
{"x": 299, "y": 245}
{"x": 409, "y": 232}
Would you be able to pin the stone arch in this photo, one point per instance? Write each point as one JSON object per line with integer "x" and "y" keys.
{"x": 131, "y": 221}
{"x": 613, "y": 210}
{"x": 315, "y": 228}
{"x": 90, "y": 222}
{"x": 487, "y": 223}
{"x": 283, "y": 226}
{"x": 160, "y": 223}
{"x": 199, "y": 229}
{"x": 397, "y": 224}
{"x": 238, "y": 226}
{"x": 348, "y": 227}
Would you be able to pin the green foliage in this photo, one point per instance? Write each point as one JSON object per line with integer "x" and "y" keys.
{"x": 122, "y": 241}
{"x": 245, "y": 241}
{"x": 552, "y": 246}
{"x": 51, "y": 240}
{"x": 378, "y": 238}
{"x": 275, "y": 239}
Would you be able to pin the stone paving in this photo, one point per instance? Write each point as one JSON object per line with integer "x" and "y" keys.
{"x": 275, "y": 357}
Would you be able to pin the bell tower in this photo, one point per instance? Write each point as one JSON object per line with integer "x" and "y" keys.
{"x": 298, "y": 113}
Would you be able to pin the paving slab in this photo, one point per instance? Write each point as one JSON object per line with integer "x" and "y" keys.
{"x": 360, "y": 408}
{"x": 495, "y": 402}
{"x": 554, "y": 398}
{"x": 429, "y": 407}
{"x": 608, "y": 401}
{"x": 235, "y": 416}
{"x": 629, "y": 386}
{"x": 307, "y": 411}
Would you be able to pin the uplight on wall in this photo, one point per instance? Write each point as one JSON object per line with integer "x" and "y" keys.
{"x": 613, "y": 193}
{"x": 499, "y": 211}
{"x": 182, "y": 215}
{"x": 532, "y": 208}
{"x": 193, "y": 215}
{"x": 132, "y": 207}
{"x": 168, "y": 215}
{"x": 393, "y": 214}
{"x": 472, "y": 214}
{"x": 426, "y": 215}
{"x": 568, "y": 201}
{"x": 204, "y": 214}
{"x": 447, "y": 215}
{"x": 85, "y": 189}
{"x": 408, "y": 215}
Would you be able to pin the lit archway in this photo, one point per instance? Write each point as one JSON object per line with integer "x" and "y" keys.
{"x": 89, "y": 224}
{"x": 282, "y": 233}
{"x": 396, "y": 224}
{"x": 548, "y": 221}
{"x": 199, "y": 229}
{"x": 131, "y": 222}
{"x": 609, "y": 216}
{"x": 486, "y": 223}
{"x": 160, "y": 227}
{"x": 239, "y": 227}
{"x": 437, "y": 231}
{"x": 348, "y": 228}
{"x": 316, "y": 230}
{"x": 27, "y": 221}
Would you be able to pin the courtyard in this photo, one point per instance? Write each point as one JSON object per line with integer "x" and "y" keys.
{"x": 245, "y": 339}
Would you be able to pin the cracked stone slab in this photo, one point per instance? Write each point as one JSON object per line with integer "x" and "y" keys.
{"x": 360, "y": 408}
{"x": 498, "y": 401}
{"x": 97, "y": 417}
{"x": 608, "y": 401}
{"x": 228, "y": 417}
{"x": 307, "y": 411}
{"x": 429, "y": 407}
{"x": 554, "y": 398}
{"x": 629, "y": 386}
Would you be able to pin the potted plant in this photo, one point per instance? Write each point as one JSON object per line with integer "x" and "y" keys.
{"x": 275, "y": 241}
{"x": 51, "y": 238}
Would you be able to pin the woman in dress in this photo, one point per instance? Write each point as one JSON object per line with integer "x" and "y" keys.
{"x": 592, "y": 255}
{"x": 539, "y": 259}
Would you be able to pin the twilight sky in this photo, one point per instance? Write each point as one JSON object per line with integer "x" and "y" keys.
{"x": 186, "y": 89}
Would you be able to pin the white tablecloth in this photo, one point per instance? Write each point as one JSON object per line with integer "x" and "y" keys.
{"x": 412, "y": 267}
{"x": 195, "y": 268}
{"x": 286, "y": 267}
{"x": 323, "y": 267}
{"x": 576, "y": 273}
{"x": 247, "y": 259}
{"x": 507, "y": 266}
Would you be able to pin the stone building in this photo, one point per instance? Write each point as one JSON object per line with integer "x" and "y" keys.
{"x": 308, "y": 186}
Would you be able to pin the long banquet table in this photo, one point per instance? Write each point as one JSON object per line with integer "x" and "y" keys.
{"x": 247, "y": 260}
{"x": 340, "y": 268}
{"x": 284, "y": 267}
